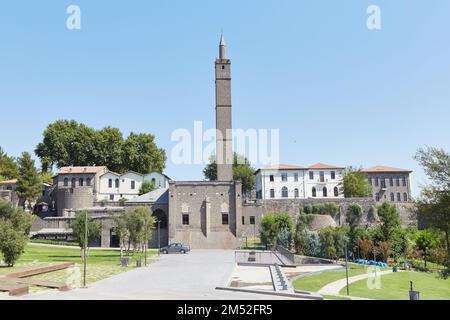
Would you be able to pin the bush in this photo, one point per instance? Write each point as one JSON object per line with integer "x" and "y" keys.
{"x": 277, "y": 227}
{"x": 12, "y": 244}
{"x": 332, "y": 242}
{"x": 308, "y": 209}
{"x": 15, "y": 226}
{"x": 312, "y": 244}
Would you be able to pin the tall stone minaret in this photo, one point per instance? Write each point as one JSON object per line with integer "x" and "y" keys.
{"x": 223, "y": 115}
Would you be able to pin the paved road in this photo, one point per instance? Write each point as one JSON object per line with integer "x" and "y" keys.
{"x": 174, "y": 277}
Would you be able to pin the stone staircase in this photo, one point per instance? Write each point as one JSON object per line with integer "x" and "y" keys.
{"x": 281, "y": 283}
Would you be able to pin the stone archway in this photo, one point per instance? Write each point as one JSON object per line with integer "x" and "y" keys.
{"x": 160, "y": 215}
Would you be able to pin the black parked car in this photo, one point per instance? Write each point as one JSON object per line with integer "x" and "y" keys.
{"x": 176, "y": 248}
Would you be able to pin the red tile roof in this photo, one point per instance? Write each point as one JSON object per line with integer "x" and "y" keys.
{"x": 322, "y": 166}
{"x": 75, "y": 170}
{"x": 284, "y": 167}
{"x": 317, "y": 166}
{"x": 384, "y": 169}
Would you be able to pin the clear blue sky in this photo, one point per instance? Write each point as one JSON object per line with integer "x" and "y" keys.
{"x": 339, "y": 93}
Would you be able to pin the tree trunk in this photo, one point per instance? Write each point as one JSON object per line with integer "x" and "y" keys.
{"x": 447, "y": 239}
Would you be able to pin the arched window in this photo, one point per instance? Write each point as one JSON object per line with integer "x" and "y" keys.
{"x": 392, "y": 197}
{"x": 397, "y": 181}
{"x": 325, "y": 192}
{"x": 297, "y": 193}
{"x": 162, "y": 217}
{"x": 383, "y": 182}
{"x": 285, "y": 192}
{"x": 399, "y": 197}
{"x": 405, "y": 197}
{"x": 88, "y": 182}
{"x": 81, "y": 182}
{"x": 404, "y": 181}
{"x": 314, "y": 192}
{"x": 117, "y": 183}
{"x": 66, "y": 182}
{"x": 74, "y": 181}
{"x": 336, "y": 191}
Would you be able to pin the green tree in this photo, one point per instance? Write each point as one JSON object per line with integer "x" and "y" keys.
{"x": 327, "y": 242}
{"x": 268, "y": 230}
{"x": 333, "y": 242}
{"x": 426, "y": 241}
{"x": 355, "y": 184}
{"x": 141, "y": 154}
{"x": 436, "y": 164}
{"x": 47, "y": 177}
{"x": 29, "y": 183}
{"x": 242, "y": 171}
{"x": 146, "y": 187}
{"x": 121, "y": 230}
{"x": 284, "y": 227}
{"x": 301, "y": 238}
{"x": 8, "y": 167}
{"x": 109, "y": 149}
{"x": 390, "y": 220}
{"x": 78, "y": 227}
{"x": 15, "y": 227}
{"x": 69, "y": 143}
{"x": 433, "y": 207}
{"x": 139, "y": 223}
{"x": 353, "y": 218}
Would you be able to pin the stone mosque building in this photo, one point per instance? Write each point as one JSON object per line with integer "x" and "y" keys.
{"x": 206, "y": 215}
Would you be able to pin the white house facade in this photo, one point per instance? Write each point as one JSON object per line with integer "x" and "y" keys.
{"x": 114, "y": 186}
{"x": 296, "y": 182}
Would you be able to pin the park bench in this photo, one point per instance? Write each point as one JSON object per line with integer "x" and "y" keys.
{"x": 14, "y": 289}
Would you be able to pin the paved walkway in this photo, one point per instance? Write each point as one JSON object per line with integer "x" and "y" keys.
{"x": 334, "y": 288}
{"x": 173, "y": 277}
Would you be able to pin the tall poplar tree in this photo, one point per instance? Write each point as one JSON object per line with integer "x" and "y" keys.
{"x": 29, "y": 183}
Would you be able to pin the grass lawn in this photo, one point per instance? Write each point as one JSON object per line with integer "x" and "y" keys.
{"x": 396, "y": 287}
{"x": 316, "y": 282}
{"x": 102, "y": 264}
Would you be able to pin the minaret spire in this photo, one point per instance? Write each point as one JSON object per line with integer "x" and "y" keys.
{"x": 223, "y": 115}
{"x": 222, "y": 48}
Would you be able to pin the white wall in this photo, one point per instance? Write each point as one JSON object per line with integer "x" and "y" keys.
{"x": 160, "y": 180}
{"x": 105, "y": 191}
{"x": 125, "y": 185}
{"x": 329, "y": 183}
{"x": 304, "y": 184}
{"x": 265, "y": 185}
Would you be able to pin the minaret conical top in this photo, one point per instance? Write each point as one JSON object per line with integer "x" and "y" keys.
{"x": 222, "y": 48}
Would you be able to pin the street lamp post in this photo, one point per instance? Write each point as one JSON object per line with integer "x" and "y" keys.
{"x": 145, "y": 244}
{"x": 346, "y": 267}
{"x": 85, "y": 248}
{"x": 159, "y": 237}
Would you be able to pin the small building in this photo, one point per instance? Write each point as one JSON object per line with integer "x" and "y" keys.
{"x": 85, "y": 187}
{"x": 114, "y": 186}
{"x": 296, "y": 182}
{"x": 389, "y": 184}
{"x": 8, "y": 191}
